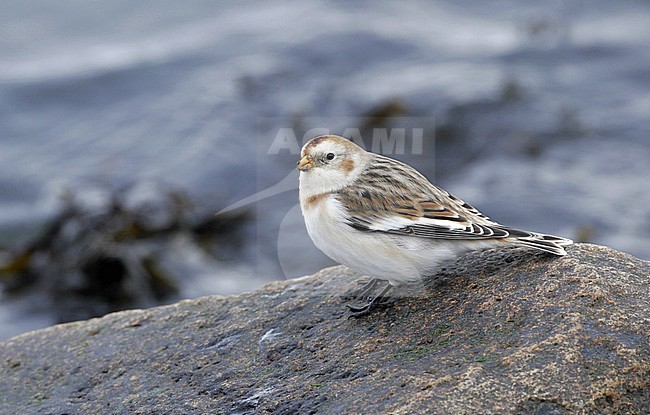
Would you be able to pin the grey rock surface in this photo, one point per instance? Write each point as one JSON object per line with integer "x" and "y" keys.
{"x": 499, "y": 332}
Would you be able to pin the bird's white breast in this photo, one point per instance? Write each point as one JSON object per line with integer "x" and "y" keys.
{"x": 372, "y": 254}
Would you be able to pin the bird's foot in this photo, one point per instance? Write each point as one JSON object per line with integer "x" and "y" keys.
{"x": 363, "y": 309}
{"x": 364, "y": 292}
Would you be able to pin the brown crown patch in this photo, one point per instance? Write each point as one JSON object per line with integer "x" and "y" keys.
{"x": 336, "y": 138}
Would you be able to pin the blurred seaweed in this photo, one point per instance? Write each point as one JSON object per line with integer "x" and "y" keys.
{"x": 107, "y": 255}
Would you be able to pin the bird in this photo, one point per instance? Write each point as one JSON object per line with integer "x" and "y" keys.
{"x": 383, "y": 218}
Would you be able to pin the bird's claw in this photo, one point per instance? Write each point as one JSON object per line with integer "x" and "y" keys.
{"x": 363, "y": 309}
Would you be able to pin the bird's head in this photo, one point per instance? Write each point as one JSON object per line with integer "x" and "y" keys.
{"x": 330, "y": 162}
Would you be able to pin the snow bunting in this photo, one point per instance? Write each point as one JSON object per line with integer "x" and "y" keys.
{"x": 384, "y": 219}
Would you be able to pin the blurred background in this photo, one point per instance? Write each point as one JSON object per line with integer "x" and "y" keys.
{"x": 124, "y": 126}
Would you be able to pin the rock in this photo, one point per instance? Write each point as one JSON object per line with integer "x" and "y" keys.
{"x": 500, "y": 332}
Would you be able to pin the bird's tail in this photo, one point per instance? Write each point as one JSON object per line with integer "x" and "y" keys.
{"x": 547, "y": 243}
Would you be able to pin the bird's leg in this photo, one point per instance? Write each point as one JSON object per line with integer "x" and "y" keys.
{"x": 364, "y": 309}
{"x": 364, "y": 292}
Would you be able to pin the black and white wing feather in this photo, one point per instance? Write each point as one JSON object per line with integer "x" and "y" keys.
{"x": 404, "y": 202}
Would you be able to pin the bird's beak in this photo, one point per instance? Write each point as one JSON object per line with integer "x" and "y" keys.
{"x": 305, "y": 163}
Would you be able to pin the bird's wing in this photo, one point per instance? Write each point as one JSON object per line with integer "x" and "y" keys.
{"x": 392, "y": 197}
{"x": 423, "y": 220}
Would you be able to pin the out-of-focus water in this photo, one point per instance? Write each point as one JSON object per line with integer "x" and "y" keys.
{"x": 549, "y": 105}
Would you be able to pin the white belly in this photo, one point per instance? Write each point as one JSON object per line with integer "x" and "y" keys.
{"x": 390, "y": 257}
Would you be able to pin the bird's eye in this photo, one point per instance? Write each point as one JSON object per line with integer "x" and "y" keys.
{"x": 330, "y": 156}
